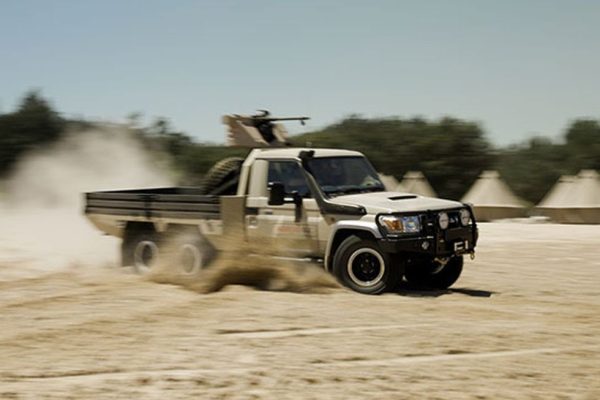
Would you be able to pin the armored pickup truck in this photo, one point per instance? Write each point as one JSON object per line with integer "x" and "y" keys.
{"x": 325, "y": 204}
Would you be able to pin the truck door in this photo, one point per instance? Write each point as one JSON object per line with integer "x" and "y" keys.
{"x": 276, "y": 225}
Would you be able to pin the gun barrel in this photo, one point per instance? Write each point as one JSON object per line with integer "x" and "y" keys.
{"x": 259, "y": 118}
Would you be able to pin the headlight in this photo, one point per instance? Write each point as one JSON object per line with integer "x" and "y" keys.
{"x": 443, "y": 220}
{"x": 400, "y": 224}
{"x": 465, "y": 217}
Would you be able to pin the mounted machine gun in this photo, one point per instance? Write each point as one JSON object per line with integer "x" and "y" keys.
{"x": 258, "y": 130}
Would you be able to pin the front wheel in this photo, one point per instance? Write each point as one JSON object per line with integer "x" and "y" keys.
{"x": 434, "y": 274}
{"x": 361, "y": 265}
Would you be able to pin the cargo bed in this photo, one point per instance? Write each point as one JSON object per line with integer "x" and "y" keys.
{"x": 170, "y": 202}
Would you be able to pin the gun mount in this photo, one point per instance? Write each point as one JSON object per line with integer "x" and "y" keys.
{"x": 258, "y": 130}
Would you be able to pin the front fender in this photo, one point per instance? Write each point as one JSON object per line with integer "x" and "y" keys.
{"x": 345, "y": 226}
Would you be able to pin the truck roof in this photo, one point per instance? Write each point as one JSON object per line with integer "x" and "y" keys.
{"x": 293, "y": 152}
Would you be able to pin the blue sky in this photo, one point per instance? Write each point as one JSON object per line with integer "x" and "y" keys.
{"x": 520, "y": 68}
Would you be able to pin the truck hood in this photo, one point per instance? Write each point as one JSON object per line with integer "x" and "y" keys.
{"x": 389, "y": 202}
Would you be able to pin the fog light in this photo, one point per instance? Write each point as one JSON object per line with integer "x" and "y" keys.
{"x": 425, "y": 245}
{"x": 465, "y": 217}
{"x": 443, "y": 220}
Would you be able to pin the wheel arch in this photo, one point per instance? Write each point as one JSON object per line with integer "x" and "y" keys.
{"x": 132, "y": 227}
{"x": 131, "y": 231}
{"x": 345, "y": 229}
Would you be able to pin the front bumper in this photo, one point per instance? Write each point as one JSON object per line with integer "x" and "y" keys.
{"x": 434, "y": 241}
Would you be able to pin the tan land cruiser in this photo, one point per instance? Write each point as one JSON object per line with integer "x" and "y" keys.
{"x": 328, "y": 205}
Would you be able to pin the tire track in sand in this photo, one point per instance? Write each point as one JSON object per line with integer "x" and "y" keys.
{"x": 272, "y": 334}
{"x": 90, "y": 376}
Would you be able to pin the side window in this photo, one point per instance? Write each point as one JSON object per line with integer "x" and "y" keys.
{"x": 290, "y": 174}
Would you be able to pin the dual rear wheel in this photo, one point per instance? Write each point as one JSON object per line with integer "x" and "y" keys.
{"x": 186, "y": 253}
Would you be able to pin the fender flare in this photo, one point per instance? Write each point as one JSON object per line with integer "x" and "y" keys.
{"x": 369, "y": 227}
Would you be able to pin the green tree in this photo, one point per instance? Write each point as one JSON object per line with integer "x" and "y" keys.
{"x": 33, "y": 124}
{"x": 583, "y": 145}
{"x": 533, "y": 167}
{"x": 450, "y": 152}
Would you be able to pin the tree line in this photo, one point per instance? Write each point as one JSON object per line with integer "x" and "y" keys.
{"x": 449, "y": 151}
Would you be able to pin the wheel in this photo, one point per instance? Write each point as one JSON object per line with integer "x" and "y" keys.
{"x": 191, "y": 253}
{"x": 361, "y": 265}
{"x": 221, "y": 178}
{"x": 141, "y": 250}
{"x": 434, "y": 274}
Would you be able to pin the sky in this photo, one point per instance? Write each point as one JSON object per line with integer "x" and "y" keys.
{"x": 519, "y": 68}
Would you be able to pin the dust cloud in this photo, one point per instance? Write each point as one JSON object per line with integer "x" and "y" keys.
{"x": 243, "y": 263}
{"x": 43, "y": 229}
{"x": 42, "y": 224}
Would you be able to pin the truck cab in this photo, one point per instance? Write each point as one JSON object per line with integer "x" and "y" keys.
{"x": 331, "y": 204}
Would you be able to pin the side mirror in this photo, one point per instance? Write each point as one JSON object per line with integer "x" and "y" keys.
{"x": 276, "y": 194}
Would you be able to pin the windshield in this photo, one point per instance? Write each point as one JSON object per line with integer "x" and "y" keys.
{"x": 345, "y": 175}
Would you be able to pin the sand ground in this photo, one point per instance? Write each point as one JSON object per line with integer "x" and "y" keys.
{"x": 523, "y": 322}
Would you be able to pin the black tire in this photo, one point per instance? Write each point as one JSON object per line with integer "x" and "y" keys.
{"x": 221, "y": 179}
{"x": 140, "y": 249}
{"x": 191, "y": 253}
{"x": 363, "y": 267}
{"x": 428, "y": 274}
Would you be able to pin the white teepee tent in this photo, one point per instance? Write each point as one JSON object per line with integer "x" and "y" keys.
{"x": 389, "y": 181}
{"x": 400, "y": 188}
{"x": 573, "y": 200}
{"x": 415, "y": 182}
{"x": 492, "y": 198}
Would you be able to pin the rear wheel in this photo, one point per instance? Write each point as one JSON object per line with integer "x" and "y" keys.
{"x": 434, "y": 274}
{"x": 361, "y": 265}
{"x": 141, "y": 250}
{"x": 191, "y": 253}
